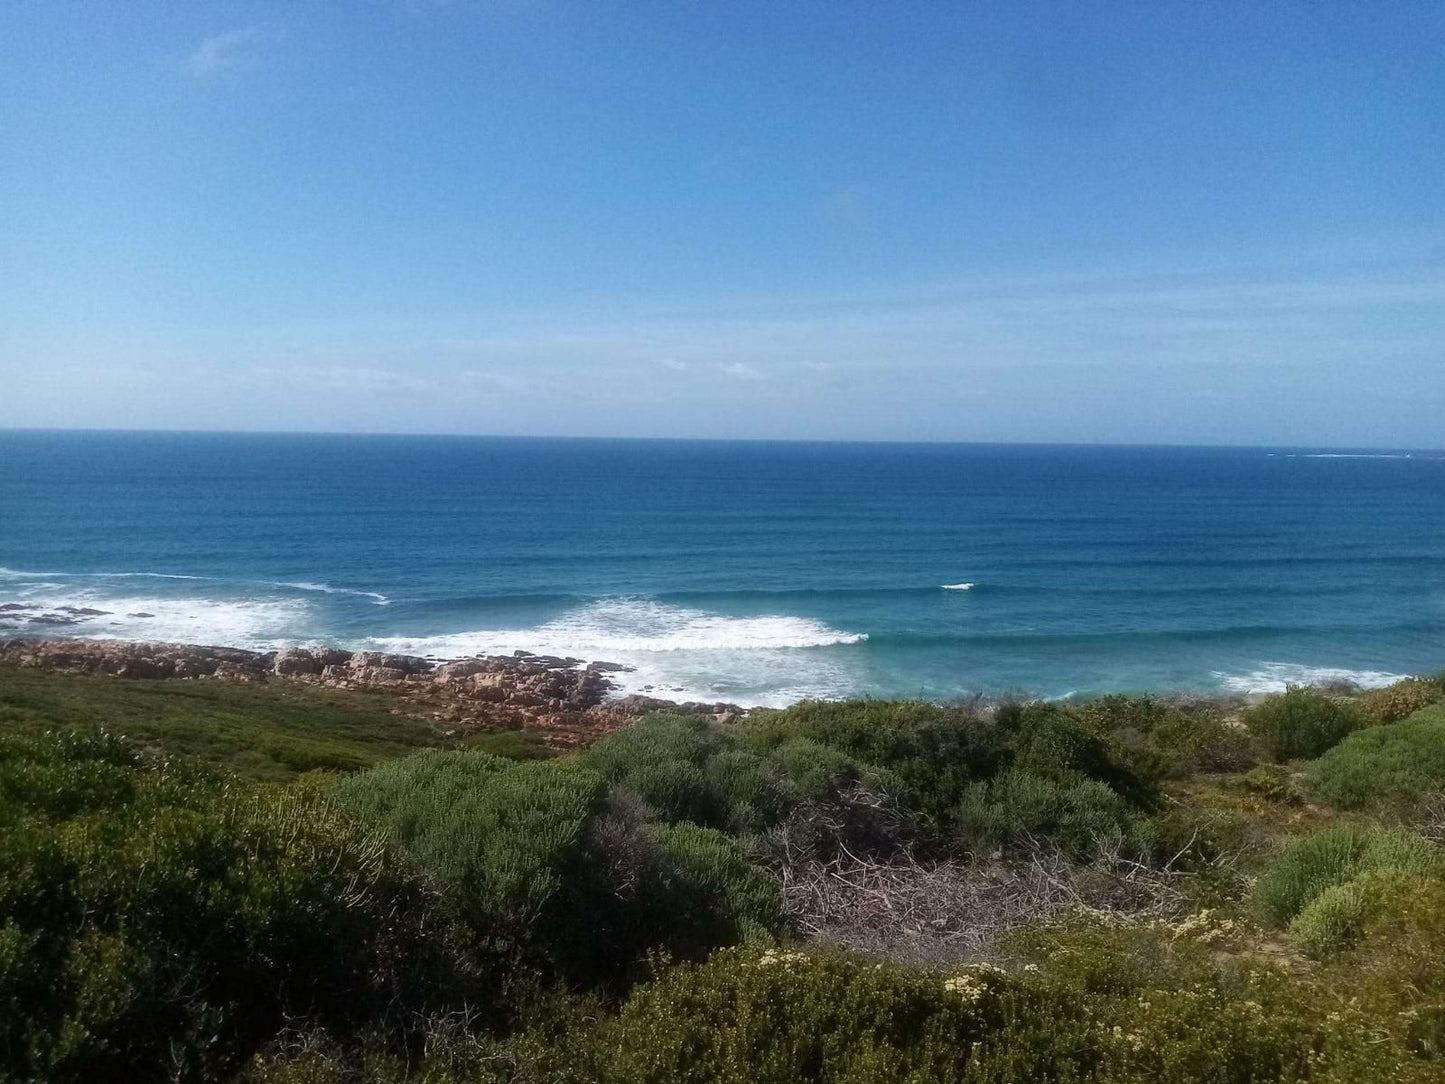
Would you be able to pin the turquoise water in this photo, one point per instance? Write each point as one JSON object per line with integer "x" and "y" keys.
{"x": 754, "y": 572}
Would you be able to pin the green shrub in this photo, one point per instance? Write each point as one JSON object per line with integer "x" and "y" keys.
{"x": 1337, "y": 917}
{"x": 1335, "y": 856}
{"x": 157, "y": 924}
{"x": 1401, "y": 763}
{"x": 707, "y": 893}
{"x": 1273, "y": 783}
{"x": 1163, "y": 741}
{"x": 931, "y": 753}
{"x": 538, "y": 858}
{"x": 506, "y": 840}
{"x": 1301, "y": 722}
{"x": 945, "y": 766}
{"x": 687, "y": 769}
{"x": 780, "y": 1016}
{"x": 1017, "y": 805}
{"x": 1402, "y": 699}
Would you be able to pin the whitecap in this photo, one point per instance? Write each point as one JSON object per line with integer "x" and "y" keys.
{"x": 1275, "y": 677}
{"x": 258, "y": 623}
{"x": 19, "y": 574}
{"x": 956, "y": 586}
{"x": 676, "y": 653}
{"x": 328, "y": 589}
{"x": 632, "y": 625}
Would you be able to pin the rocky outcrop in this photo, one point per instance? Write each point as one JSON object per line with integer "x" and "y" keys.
{"x": 564, "y": 697}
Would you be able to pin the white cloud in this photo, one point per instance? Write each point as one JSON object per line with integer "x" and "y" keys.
{"x": 675, "y": 365}
{"x": 221, "y": 52}
{"x": 738, "y": 370}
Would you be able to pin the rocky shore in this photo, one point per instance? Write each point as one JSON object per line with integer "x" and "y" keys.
{"x": 567, "y": 699}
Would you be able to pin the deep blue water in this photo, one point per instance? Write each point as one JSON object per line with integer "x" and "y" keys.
{"x": 757, "y": 572}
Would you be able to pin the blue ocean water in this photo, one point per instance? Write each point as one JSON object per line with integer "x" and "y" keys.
{"x": 752, "y": 572}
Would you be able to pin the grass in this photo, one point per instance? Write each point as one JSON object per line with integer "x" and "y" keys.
{"x": 270, "y": 730}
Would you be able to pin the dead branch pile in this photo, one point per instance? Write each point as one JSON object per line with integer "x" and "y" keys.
{"x": 938, "y": 914}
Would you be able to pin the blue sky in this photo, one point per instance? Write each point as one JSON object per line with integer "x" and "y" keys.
{"x": 1181, "y": 223}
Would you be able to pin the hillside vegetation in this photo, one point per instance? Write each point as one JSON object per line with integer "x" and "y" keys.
{"x": 288, "y": 885}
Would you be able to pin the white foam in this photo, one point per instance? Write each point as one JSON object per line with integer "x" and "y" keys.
{"x": 328, "y": 589}
{"x": 956, "y": 586}
{"x": 676, "y": 653}
{"x": 19, "y": 574}
{"x": 1275, "y": 677}
{"x": 252, "y": 623}
{"x": 631, "y": 625}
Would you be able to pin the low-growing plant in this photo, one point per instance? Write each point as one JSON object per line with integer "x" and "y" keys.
{"x": 157, "y": 924}
{"x": 1273, "y": 783}
{"x": 1338, "y": 917}
{"x": 1159, "y": 740}
{"x": 541, "y": 859}
{"x": 1400, "y": 700}
{"x": 786, "y": 1016}
{"x": 1334, "y": 856}
{"x": 1077, "y": 815}
{"x": 1301, "y": 722}
{"x": 1399, "y": 763}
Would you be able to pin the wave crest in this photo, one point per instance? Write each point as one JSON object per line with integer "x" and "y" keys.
{"x": 1275, "y": 677}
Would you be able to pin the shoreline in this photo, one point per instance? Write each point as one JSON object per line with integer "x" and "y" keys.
{"x": 569, "y": 700}
{"x": 561, "y": 695}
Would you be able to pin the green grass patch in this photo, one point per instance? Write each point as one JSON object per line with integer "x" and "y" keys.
{"x": 263, "y": 730}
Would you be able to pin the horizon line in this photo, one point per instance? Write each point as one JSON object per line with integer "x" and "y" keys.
{"x": 119, "y": 430}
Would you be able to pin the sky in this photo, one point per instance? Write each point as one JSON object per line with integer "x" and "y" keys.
{"x": 1172, "y": 223}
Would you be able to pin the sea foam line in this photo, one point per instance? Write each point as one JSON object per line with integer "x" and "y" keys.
{"x": 1276, "y": 677}
{"x": 16, "y": 573}
{"x": 328, "y": 589}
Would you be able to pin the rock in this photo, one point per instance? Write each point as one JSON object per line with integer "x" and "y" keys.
{"x": 407, "y": 664}
{"x": 608, "y": 668}
{"x": 463, "y": 668}
{"x": 296, "y": 660}
{"x": 376, "y": 675}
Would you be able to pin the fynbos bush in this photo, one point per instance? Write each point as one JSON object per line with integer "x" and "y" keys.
{"x": 1301, "y": 722}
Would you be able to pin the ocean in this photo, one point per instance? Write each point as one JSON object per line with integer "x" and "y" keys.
{"x": 753, "y": 572}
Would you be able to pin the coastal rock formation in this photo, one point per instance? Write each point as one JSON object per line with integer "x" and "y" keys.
{"x": 564, "y": 697}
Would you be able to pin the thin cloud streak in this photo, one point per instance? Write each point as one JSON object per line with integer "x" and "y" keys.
{"x": 222, "y": 52}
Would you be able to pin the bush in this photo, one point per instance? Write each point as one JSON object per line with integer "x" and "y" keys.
{"x": 1401, "y": 762}
{"x": 1337, "y": 917}
{"x": 1335, "y": 856}
{"x": 538, "y": 859}
{"x": 929, "y": 753}
{"x": 1301, "y": 722}
{"x": 1273, "y": 783}
{"x": 156, "y": 924}
{"x": 780, "y": 1016}
{"x": 1162, "y": 741}
{"x": 708, "y": 893}
{"x": 1018, "y": 805}
{"x": 1402, "y": 699}
{"x": 1034, "y": 769}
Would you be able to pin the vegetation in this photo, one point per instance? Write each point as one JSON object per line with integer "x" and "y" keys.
{"x": 1123, "y": 890}
{"x": 268, "y": 730}
{"x": 1402, "y": 762}
{"x": 1302, "y": 722}
{"x": 155, "y": 922}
